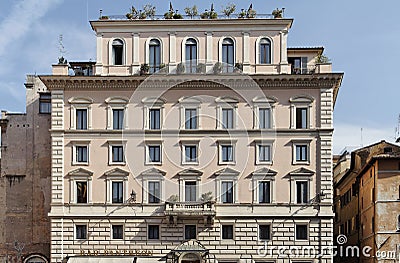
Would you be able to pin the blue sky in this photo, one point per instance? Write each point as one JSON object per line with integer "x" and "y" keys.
{"x": 362, "y": 38}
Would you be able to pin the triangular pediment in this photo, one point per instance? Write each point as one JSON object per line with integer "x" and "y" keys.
{"x": 227, "y": 171}
{"x": 302, "y": 171}
{"x": 116, "y": 172}
{"x": 265, "y": 171}
{"x": 153, "y": 171}
{"x": 80, "y": 172}
{"x": 190, "y": 172}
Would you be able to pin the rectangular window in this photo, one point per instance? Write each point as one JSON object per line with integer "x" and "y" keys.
{"x": 81, "y": 119}
{"x": 190, "y": 191}
{"x": 264, "y": 232}
{"x": 302, "y": 192}
{"x": 191, "y": 153}
{"x": 302, "y": 153}
{"x": 190, "y": 119}
{"x": 81, "y": 154}
{"x": 118, "y": 119}
{"x": 264, "y": 153}
{"x": 154, "y": 192}
{"x": 154, "y": 153}
{"x": 155, "y": 120}
{"x": 81, "y": 232}
{"x": 301, "y": 118}
{"x": 190, "y": 232}
{"x": 117, "y": 192}
{"x": 227, "y": 232}
{"x": 301, "y": 232}
{"x": 81, "y": 192}
{"x": 264, "y": 192}
{"x": 227, "y": 118}
{"x": 227, "y": 153}
{"x": 117, "y": 154}
{"x": 227, "y": 192}
{"x": 45, "y": 103}
{"x": 118, "y": 231}
{"x": 154, "y": 232}
{"x": 264, "y": 118}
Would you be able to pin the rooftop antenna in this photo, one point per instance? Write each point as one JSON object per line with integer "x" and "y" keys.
{"x": 362, "y": 137}
{"x": 61, "y": 49}
{"x": 397, "y": 130}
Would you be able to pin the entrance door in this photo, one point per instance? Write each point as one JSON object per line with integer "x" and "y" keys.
{"x": 190, "y": 258}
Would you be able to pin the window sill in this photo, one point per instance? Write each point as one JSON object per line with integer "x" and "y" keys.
{"x": 190, "y": 163}
{"x": 227, "y": 163}
{"x": 264, "y": 163}
{"x": 301, "y": 162}
{"x": 149, "y": 163}
{"x": 80, "y": 164}
{"x": 117, "y": 164}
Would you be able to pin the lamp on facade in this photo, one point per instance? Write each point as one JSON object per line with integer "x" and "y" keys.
{"x": 133, "y": 196}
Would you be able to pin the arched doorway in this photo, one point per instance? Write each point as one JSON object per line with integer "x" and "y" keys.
{"x": 190, "y": 258}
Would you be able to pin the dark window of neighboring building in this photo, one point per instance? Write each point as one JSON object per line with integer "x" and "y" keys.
{"x": 154, "y": 153}
{"x": 155, "y": 119}
{"x": 45, "y": 103}
{"x": 190, "y": 119}
{"x": 301, "y": 118}
{"x": 117, "y": 192}
{"x": 373, "y": 224}
{"x": 227, "y": 232}
{"x": 264, "y": 189}
{"x": 81, "y": 154}
{"x": 154, "y": 55}
{"x": 299, "y": 65}
{"x": 191, "y": 55}
{"x": 118, "y": 119}
{"x": 81, "y": 119}
{"x": 227, "y": 192}
{"x": 117, "y": 51}
{"x": 342, "y": 229}
{"x": 264, "y": 232}
{"x": 301, "y": 232}
{"x": 118, "y": 231}
{"x": 81, "y": 192}
{"x": 154, "y": 232}
{"x": 190, "y": 191}
{"x": 228, "y": 55}
{"x": 190, "y": 232}
{"x": 154, "y": 192}
{"x": 81, "y": 231}
{"x": 117, "y": 154}
{"x": 301, "y": 192}
{"x": 265, "y": 51}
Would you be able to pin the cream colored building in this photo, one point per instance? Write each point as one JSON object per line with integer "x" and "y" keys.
{"x": 200, "y": 162}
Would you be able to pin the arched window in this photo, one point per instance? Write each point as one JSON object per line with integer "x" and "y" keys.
{"x": 191, "y": 55}
{"x": 154, "y": 55}
{"x": 117, "y": 52}
{"x": 265, "y": 51}
{"x": 228, "y": 56}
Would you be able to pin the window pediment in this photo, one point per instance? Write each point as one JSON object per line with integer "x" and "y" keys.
{"x": 190, "y": 172}
{"x": 116, "y": 172}
{"x": 227, "y": 172}
{"x": 265, "y": 100}
{"x": 302, "y": 172}
{"x": 301, "y": 99}
{"x": 228, "y": 100}
{"x": 153, "y": 172}
{"x": 154, "y": 101}
{"x": 80, "y": 172}
{"x": 189, "y": 100}
{"x": 264, "y": 172}
{"x": 117, "y": 100}
{"x": 80, "y": 100}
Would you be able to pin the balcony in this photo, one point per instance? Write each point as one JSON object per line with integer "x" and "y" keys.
{"x": 175, "y": 210}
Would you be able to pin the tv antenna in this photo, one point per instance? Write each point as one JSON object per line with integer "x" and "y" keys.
{"x": 397, "y": 130}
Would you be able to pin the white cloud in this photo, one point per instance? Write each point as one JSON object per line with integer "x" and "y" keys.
{"x": 350, "y": 135}
{"x": 20, "y": 19}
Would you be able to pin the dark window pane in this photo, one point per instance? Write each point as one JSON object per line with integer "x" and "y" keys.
{"x": 228, "y": 55}
{"x": 118, "y": 50}
{"x": 302, "y": 192}
{"x": 45, "y": 103}
{"x": 227, "y": 192}
{"x": 190, "y": 153}
{"x": 118, "y": 231}
{"x": 264, "y": 189}
{"x": 301, "y": 153}
{"x": 81, "y": 192}
{"x": 155, "y": 121}
{"x": 81, "y": 119}
{"x": 81, "y": 231}
{"x": 191, "y": 55}
{"x": 264, "y": 232}
{"x": 264, "y": 118}
{"x": 154, "y": 55}
{"x": 155, "y": 153}
{"x": 190, "y": 191}
{"x": 190, "y": 119}
{"x": 301, "y": 232}
{"x": 227, "y": 153}
{"x": 265, "y": 51}
{"x": 81, "y": 154}
{"x": 227, "y": 118}
{"x": 118, "y": 119}
{"x": 154, "y": 232}
{"x": 117, "y": 192}
{"x": 190, "y": 232}
{"x": 301, "y": 118}
{"x": 227, "y": 232}
{"x": 117, "y": 154}
{"x": 154, "y": 192}
{"x": 264, "y": 153}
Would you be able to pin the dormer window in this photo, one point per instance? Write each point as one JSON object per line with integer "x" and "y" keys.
{"x": 265, "y": 51}
{"x": 191, "y": 55}
{"x": 154, "y": 55}
{"x": 228, "y": 55}
{"x": 117, "y": 52}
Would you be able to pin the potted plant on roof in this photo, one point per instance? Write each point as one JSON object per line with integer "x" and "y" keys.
{"x": 251, "y": 13}
{"x": 229, "y": 9}
{"x": 149, "y": 11}
{"x": 191, "y": 11}
{"x": 277, "y": 13}
{"x": 242, "y": 14}
{"x": 209, "y": 14}
{"x": 132, "y": 14}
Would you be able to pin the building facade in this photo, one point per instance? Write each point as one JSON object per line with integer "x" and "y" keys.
{"x": 200, "y": 161}
{"x": 367, "y": 204}
{"x": 25, "y": 178}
